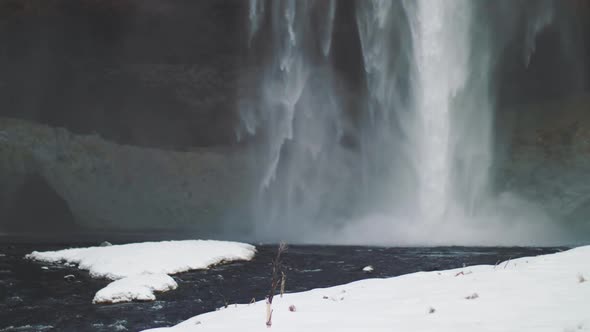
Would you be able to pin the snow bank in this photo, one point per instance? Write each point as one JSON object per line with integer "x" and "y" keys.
{"x": 168, "y": 257}
{"x": 144, "y": 267}
{"x": 140, "y": 287}
{"x": 544, "y": 293}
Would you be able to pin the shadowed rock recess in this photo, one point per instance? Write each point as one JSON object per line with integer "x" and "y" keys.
{"x": 111, "y": 186}
{"x": 123, "y": 115}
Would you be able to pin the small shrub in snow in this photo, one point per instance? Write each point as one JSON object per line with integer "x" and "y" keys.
{"x": 472, "y": 296}
{"x": 292, "y": 308}
{"x": 225, "y": 302}
{"x": 274, "y": 283}
{"x": 431, "y": 310}
{"x": 581, "y": 278}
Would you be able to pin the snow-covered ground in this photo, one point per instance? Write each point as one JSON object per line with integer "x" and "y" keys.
{"x": 139, "y": 287}
{"x": 140, "y": 269}
{"x": 544, "y": 293}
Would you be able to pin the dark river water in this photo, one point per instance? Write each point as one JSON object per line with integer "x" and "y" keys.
{"x": 36, "y": 297}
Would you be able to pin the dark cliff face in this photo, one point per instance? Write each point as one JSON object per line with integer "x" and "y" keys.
{"x": 35, "y": 202}
{"x": 152, "y": 73}
{"x": 559, "y": 65}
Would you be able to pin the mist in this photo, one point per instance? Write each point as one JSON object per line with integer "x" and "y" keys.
{"x": 422, "y": 166}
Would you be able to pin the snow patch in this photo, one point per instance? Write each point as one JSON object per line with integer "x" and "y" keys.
{"x": 140, "y": 269}
{"x": 167, "y": 257}
{"x": 139, "y": 288}
{"x": 527, "y": 295}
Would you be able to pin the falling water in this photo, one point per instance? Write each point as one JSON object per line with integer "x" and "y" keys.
{"x": 424, "y": 159}
{"x": 440, "y": 65}
{"x": 543, "y": 16}
{"x": 297, "y": 113}
{"x": 441, "y": 53}
{"x": 428, "y": 119}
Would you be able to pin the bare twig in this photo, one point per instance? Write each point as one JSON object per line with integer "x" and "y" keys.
{"x": 276, "y": 268}
{"x": 274, "y": 283}
{"x": 268, "y": 313}
{"x": 283, "y": 281}
{"x": 507, "y": 262}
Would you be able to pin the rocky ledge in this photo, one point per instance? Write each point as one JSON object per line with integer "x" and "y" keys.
{"x": 111, "y": 186}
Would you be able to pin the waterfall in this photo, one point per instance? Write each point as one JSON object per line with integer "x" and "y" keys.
{"x": 256, "y": 13}
{"x": 543, "y": 16}
{"x": 297, "y": 114}
{"x": 442, "y": 45}
{"x": 439, "y": 72}
{"x": 439, "y": 44}
{"x": 425, "y": 153}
